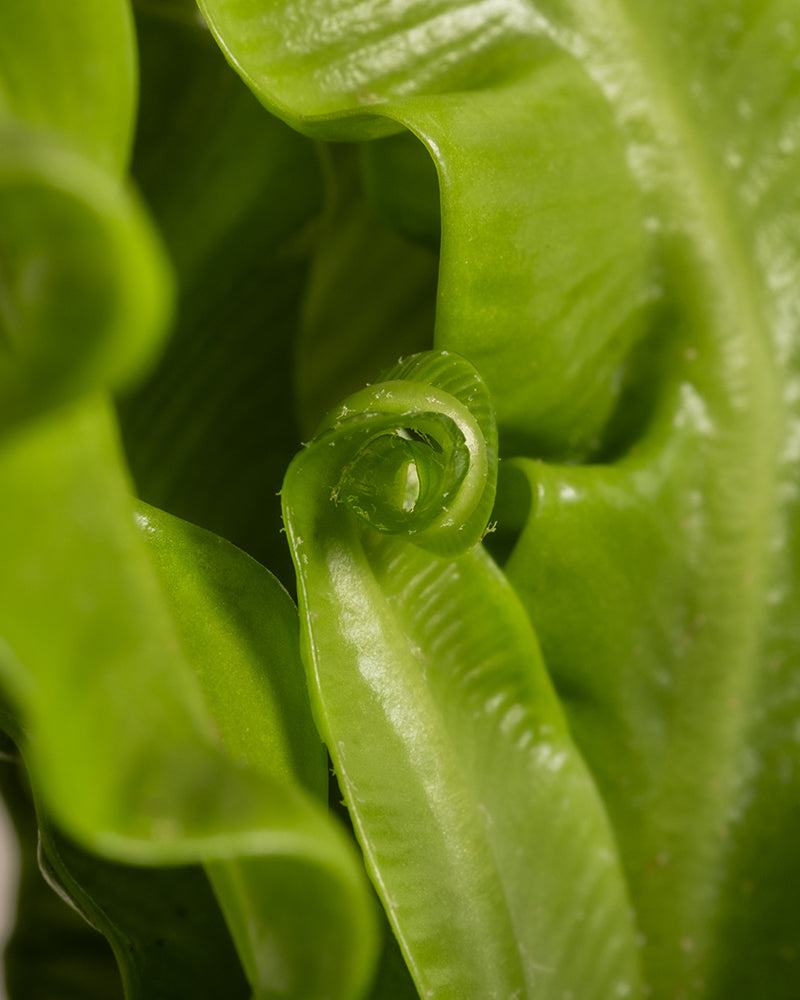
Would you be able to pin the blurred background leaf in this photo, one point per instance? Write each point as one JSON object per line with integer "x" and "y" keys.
{"x": 236, "y": 196}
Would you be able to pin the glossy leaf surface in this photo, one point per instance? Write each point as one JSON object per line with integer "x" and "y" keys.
{"x": 231, "y": 612}
{"x": 481, "y": 826}
{"x": 619, "y": 259}
{"x": 120, "y": 700}
{"x": 619, "y": 254}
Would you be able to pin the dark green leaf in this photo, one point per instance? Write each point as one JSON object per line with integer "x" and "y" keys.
{"x": 370, "y": 299}
{"x": 235, "y": 194}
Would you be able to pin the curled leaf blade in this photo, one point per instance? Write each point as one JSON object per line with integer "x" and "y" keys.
{"x": 85, "y": 289}
{"x": 135, "y": 770}
{"x": 483, "y": 831}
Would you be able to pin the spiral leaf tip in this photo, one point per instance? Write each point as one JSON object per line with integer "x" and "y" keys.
{"x": 413, "y": 455}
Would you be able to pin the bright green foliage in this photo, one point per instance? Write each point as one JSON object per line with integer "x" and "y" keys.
{"x": 70, "y": 70}
{"x": 546, "y": 566}
{"x": 132, "y": 658}
{"x": 479, "y": 812}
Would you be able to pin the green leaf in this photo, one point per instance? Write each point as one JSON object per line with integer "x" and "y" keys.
{"x": 153, "y": 918}
{"x": 125, "y": 753}
{"x": 486, "y": 840}
{"x": 120, "y": 739}
{"x": 235, "y": 194}
{"x": 70, "y": 69}
{"x": 84, "y": 286}
{"x": 230, "y": 610}
{"x": 531, "y": 289}
{"x": 688, "y": 544}
{"x": 371, "y": 295}
{"x": 164, "y": 924}
{"x": 620, "y": 258}
{"x": 342, "y": 63}
{"x": 534, "y": 177}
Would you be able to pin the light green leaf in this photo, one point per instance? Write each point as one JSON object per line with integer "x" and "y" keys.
{"x": 486, "y": 840}
{"x": 70, "y": 69}
{"x": 620, "y": 257}
{"x": 84, "y": 285}
{"x": 531, "y": 288}
{"x": 688, "y": 543}
{"x": 118, "y": 735}
{"x": 328, "y": 66}
{"x": 238, "y": 628}
{"x": 534, "y": 178}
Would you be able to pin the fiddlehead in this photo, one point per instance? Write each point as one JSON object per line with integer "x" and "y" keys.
{"x": 465, "y": 790}
{"x": 415, "y": 455}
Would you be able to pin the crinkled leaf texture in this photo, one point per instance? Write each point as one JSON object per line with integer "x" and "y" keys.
{"x": 620, "y": 257}
{"x": 481, "y": 826}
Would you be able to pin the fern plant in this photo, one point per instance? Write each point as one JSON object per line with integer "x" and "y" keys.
{"x": 398, "y": 498}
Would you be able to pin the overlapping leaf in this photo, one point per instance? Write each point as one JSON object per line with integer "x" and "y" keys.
{"x": 84, "y": 286}
{"x": 109, "y": 922}
{"x": 119, "y": 737}
{"x": 235, "y": 194}
{"x": 489, "y": 846}
{"x": 133, "y": 753}
{"x": 619, "y": 250}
